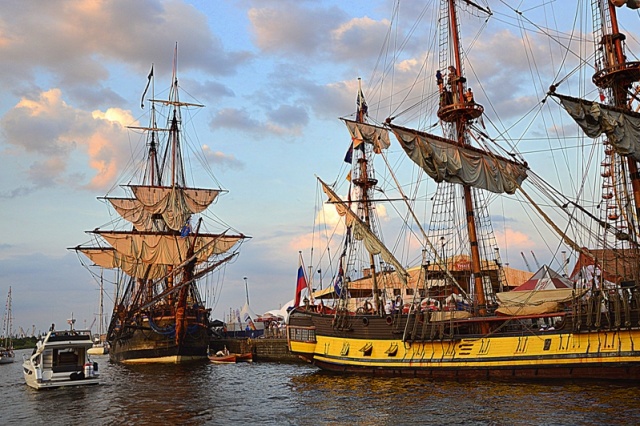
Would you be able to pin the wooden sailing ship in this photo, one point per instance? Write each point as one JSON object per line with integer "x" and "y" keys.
{"x": 462, "y": 321}
{"x": 163, "y": 249}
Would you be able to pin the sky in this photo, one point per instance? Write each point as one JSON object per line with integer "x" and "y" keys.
{"x": 274, "y": 75}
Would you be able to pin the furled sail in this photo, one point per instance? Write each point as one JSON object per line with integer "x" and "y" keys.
{"x": 108, "y": 257}
{"x": 361, "y": 231}
{"x": 446, "y": 160}
{"x": 536, "y": 302}
{"x": 622, "y": 127}
{"x": 537, "y": 297}
{"x": 174, "y": 204}
{"x": 167, "y": 249}
{"x": 368, "y": 133}
{"x": 132, "y": 210}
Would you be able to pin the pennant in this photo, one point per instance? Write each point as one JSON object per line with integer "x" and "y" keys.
{"x": 363, "y": 108}
{"x": 358, "y": 143}
{"x": 349, "y": 155}
{"x": 337, "y": 284}
{"x": 146, "y": 88}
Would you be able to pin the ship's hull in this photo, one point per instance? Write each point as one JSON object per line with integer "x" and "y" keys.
{"x": 144, "y": 344}
{"x": 375, "y": 345}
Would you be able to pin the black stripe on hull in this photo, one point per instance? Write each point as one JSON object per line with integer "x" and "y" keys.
{"x": 623, "y": 372}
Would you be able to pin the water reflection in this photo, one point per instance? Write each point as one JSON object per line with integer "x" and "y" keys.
{"x": 286, "y": 394}
{"x": 386, "y": 401}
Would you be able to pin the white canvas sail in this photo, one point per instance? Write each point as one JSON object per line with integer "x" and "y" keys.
{"x": 368, "y": 133}
{"x": 445, "y": 160}
{"x": 175, "y": 205}
{"x": 622, "y": 127}
{"x": 167, "y": 249}
{"x": 362, "y": 232}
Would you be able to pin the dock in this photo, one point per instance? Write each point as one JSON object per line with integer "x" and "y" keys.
{"x": 263, "y": 349}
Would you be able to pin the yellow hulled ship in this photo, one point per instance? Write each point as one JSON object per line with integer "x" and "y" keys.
{"x": 438, "y": 300}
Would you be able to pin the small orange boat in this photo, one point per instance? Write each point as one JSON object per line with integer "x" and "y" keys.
{"x": 245, "y": 357}
{"x": 223, "y": 359}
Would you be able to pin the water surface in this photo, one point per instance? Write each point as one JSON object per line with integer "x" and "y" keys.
{"x": 293, "y": 394}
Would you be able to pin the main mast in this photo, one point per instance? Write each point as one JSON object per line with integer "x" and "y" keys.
{"x": 458, "y": 111}
{"x": 615, "y": 77}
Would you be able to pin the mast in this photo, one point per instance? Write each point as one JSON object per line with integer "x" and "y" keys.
{"x": 616, "y": 76}
{"x": 7, "y": 325}
{"x": 100, "y": 314}
{"x": 366, "y": 183}
{"x": 457, "y": 111}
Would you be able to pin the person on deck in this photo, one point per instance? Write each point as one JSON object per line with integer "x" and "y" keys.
{"x": 439, "y": 80}
{"x": 452, "y": 75}
{"x": 469, "y": 96}
{"x": 388, "y": 307}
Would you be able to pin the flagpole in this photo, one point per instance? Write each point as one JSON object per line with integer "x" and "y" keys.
{"x": 246, "y": 289}
{"x": 307, "y": 279}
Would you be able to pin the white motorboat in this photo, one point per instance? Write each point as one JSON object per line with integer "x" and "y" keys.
{"x": 99, "y": 347}
{"x": 61, "y": 359}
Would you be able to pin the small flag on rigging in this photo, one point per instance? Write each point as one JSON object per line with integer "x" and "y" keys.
{"x": 146, "y": 88}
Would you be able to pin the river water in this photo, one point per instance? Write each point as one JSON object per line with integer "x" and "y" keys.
{"x": 294, "y": 394}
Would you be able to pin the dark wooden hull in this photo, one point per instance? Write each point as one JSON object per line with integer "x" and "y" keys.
{"x": 143, "y": 345}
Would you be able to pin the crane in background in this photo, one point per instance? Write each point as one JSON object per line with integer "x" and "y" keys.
{"x": 526, "y": 262}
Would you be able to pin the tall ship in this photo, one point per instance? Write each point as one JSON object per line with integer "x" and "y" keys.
{"x": 433, "y": 295}
{"x": 161, "y": 248}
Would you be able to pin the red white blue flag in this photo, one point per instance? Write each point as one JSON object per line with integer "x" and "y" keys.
{"x": 301, "y": 284}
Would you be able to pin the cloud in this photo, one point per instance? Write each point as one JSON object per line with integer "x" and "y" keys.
{"x": 43, "y": 174}
{"x": 53, "y": 132}
{"x": 289, "y": 117}
{"x": 517, "y": 240}
{"x": 358, "y": 40}
{"x": 221, "y": 159}
{"x": 31, "y": 123}
{"x": 206, "y": 90}
{"x": 285, "y": 120}
{"x": 75, "y": 43}
{"x": 21, "y": 191}
{"x": 305, "y": 31}
{"x": 239, "y": 119}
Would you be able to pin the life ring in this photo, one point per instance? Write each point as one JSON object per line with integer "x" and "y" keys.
{"x": 365, "y": 321}
{"x": 368, "y": 307}
{"x": 389, "y": 320}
